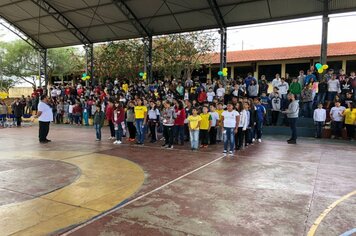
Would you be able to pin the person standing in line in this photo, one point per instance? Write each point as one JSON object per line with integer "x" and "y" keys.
{"x": 168, "y": 117}
{"x": 350, "y": 120}
{"x": 45, "y": 117}
{"x": 179, "y": 123}
{"x": 130, "y": 120}
{"x": 140, "y": 120}
{"x": 214, "y": 121}
{"x": 17, "y": 109}
{"x": 337, "y": 120}
{"x": 194, "y": 124}
{"x": 292, "y": 114}
{"x": 118, "y": 120}
{"x": 153, "y": 121}
{"x": 260, "y": 114}
{"x": 205, "y": 125}
{"x": 230, "y": 120}
{"x": 98, "y": 121}
{"x": 109, "y": 112}
{"x": 319, "y": 120}
{"x": 243, "y": 123}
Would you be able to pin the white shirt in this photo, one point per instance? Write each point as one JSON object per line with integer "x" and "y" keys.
{"x": 276, "y": 82}
{"x": 243, "y": 120}
{"x": 54, "y": 93}
{"x": 211, "y": 96}
{"x": 214, "y": 118}
{"x": 70, "y": 109}
{"x": 319, "y": 115}
{"x": 336, "y": 112}
{"x": 220, "y": 92}
{"x": 230, "y": 118}
{"x": 46, "y": 115}
{"x": 283, "y": 88}
{"x": 333, "y": 85}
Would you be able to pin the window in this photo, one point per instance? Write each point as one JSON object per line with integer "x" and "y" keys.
{"x": 293, "y": 69}
{"x": 350, "y": 66}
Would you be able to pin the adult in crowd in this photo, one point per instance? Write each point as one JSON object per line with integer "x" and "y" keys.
{"x": 292, "y": 114}
{"x": 17, "y": 109}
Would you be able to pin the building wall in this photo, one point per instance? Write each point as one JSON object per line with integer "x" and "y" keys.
{"x": 283, "y": 64}
{"x": 19, "y": 91}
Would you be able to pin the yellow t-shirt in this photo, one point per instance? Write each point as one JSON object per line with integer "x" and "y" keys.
{"x": 140, "y": 112}
{"x": 350, "y": 116}
{"x": 220, "y": 116}
{"x": 125, "y": 87}
{"x": 193, "y": 122}
{"x": 205, "y": 121}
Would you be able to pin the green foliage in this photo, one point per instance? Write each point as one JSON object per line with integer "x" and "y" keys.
{"x": 6, "y": 84}
{"x": 21, "y": 61}
{"x": 172, "y": 54}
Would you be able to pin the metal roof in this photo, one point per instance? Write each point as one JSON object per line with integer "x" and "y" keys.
{"x": 57, "y": 23}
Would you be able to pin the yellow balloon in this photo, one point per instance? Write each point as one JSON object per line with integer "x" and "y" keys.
{"x": 3, "y": 95}
{"x": 325, "y": 67}
{"x": 320, "y": 70}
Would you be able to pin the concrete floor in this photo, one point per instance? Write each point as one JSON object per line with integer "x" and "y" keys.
{"x": 270, "y": 188}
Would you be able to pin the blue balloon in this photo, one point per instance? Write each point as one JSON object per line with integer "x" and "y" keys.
{"x": 220, "y": 73}
{"x": 318, "y": 65}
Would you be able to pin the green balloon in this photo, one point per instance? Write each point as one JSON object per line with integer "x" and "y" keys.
{"x": 141, "y": 74}
{"x": 84, "y": 75}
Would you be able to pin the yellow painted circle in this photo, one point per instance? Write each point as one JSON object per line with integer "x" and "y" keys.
{"x": 105, "y": 182}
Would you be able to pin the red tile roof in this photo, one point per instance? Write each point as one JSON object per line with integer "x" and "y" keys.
{"x": 284, "y": 53}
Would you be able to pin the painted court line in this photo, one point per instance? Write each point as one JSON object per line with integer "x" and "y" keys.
{"x": 327, "y": 211}
{"x": 140, "y": 197}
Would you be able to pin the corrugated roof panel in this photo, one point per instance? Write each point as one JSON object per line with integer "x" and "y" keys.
{"x": 246, "y": 12}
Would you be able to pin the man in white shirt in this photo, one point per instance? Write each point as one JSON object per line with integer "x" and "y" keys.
{"x": 276, "y": 81}
{"x": 45, "y": 116}
{"x": 337, "y": 119}
{"x": 230, "y": 120}
{"x": 319, "y": 120}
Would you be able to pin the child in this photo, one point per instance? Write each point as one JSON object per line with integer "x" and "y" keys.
{"x": 211, "y": 95}
{"x": 230, "y": 121}
{"x": 168, "y": 117}
{"x": 118, "y": 120}
{"x": 194, "y": 124}
{"x": 243, "y": 123}
{"x": 276, "y": 107}
{"x": 319, "y": 119}
{"x": 130, "y": 119}
{"x": 220, "y": 110}
{"x": 98, "y": 121}
{"x": 205, "y": 125}
{"x": 260, "y": 114}
{"x": 140, "y": 118}
{"x": 214, "y": 122}
{"x": 153, "y": 121}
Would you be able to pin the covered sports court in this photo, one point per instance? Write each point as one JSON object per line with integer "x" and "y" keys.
{"x": 74, "y": 186}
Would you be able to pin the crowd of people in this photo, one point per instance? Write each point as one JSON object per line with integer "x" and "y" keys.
{"x": 202, "y": 110}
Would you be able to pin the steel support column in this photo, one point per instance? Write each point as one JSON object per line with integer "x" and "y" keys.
{"x": 147, "y": 47}
{"x": 324, "y": 37}
{"x": 43, "y": 68}
{"x": 89, "y": 66}
{"x": 223, "y": 40}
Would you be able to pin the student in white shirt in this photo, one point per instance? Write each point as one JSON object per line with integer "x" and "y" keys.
{"x": 319, "y": 120}
{"x": 220, "y": 92}
{"x": 230, "y": 120}
{"x": 243, "y": 123}
{"x": 214, "y": 122}
{"x": 337, "y": 120}
{"x": 210, "y": 95}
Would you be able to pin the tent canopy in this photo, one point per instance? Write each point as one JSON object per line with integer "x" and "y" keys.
{"x": 58, "y": 23}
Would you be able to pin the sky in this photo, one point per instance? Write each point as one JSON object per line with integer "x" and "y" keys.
{"x": 278, "y": 34}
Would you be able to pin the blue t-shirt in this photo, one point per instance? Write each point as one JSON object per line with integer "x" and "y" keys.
{"x": 260, "y": 111}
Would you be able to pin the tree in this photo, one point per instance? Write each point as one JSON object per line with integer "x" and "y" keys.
{"x": 172, "y": 54}
{"x": 6, "y": 84}
{"x": 119, "y": 59}
{"x": 21, "y": 61}
{"x": 175, "y": 53}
